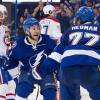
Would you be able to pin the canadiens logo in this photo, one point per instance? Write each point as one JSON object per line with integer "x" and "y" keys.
{"x": 37, "y": 59}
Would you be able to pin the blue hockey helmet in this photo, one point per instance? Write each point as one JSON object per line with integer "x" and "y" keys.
{"x": 85, "y": 14}
{"x": 28, "y": 23}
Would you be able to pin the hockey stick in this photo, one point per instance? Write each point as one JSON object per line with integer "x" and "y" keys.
{"x": 37, "y": 93}
{"x": 58, "y": 97}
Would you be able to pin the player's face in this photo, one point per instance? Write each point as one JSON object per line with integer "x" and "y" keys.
{"x": 35, "y": 32}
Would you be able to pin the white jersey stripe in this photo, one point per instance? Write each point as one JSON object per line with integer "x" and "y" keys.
{"x": 81, "y": 52}
{"x": 55, "y": 56}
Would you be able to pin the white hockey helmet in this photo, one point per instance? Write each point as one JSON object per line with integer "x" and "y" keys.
{"x": 3, "y": 12}
{"x": 48, "y": 9}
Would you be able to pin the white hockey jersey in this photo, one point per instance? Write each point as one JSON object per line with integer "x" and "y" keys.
{"x": 3, "y": 46}
{"x": 51, "y": 27}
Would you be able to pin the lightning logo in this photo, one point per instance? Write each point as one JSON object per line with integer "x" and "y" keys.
{"x": 38, "y": 58}
{"x": 36, "y": 61}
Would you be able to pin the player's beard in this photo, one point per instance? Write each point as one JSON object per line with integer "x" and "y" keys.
{"x": 32, "y": 39}
{"x": 35, "y": 37}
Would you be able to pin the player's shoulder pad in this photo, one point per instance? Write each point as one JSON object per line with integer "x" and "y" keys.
{"x": 55, "y": 20}
{"x": 19, "y": 41}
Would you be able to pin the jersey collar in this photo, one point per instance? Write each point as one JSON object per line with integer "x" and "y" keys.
{"x": 26, "y": 41}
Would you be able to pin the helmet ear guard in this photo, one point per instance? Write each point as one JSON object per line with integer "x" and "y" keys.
{"x": 48, "y": 9}
{"x": 50, "y": 12}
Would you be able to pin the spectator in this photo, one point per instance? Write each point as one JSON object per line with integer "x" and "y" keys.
{"x": 83, "y": 2}
{"x": 64, "y": 20}
{"x": 20, "y": 31}
{"x": 38, "y": 11}
{"x": 89, "y": 3}
{"x": 26, "y": 13}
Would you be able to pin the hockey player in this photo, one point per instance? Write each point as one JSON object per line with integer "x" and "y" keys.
{"x": 78, "y": 56}
{"x": 31, "y": 50}
{"x": 7, "y": 85}
{"x": 50, "y": 25}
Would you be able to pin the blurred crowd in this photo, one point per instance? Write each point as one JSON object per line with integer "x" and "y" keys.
{"x": 64, "y": 10}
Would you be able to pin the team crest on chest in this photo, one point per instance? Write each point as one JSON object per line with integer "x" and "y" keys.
{"x": 37, "y": 59}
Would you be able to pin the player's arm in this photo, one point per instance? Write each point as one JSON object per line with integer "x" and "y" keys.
{"x": 49, "y": 66}
{"x": 51, "y": 44}
{"x": 57, "y": 31}
{"x": 12, "y": 63}
{"x": 53, "y": 61}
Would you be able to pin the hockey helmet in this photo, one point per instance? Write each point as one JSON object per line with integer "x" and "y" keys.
{"x": 85, "y": 14}
{"x": 28, "y": 23}
{"x": 48, "y": 9}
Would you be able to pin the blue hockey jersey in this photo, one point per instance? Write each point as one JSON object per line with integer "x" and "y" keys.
{"x": 30, "y": 56}
{"x": 80, "y": 45}
{"x": 4, "y": 76}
